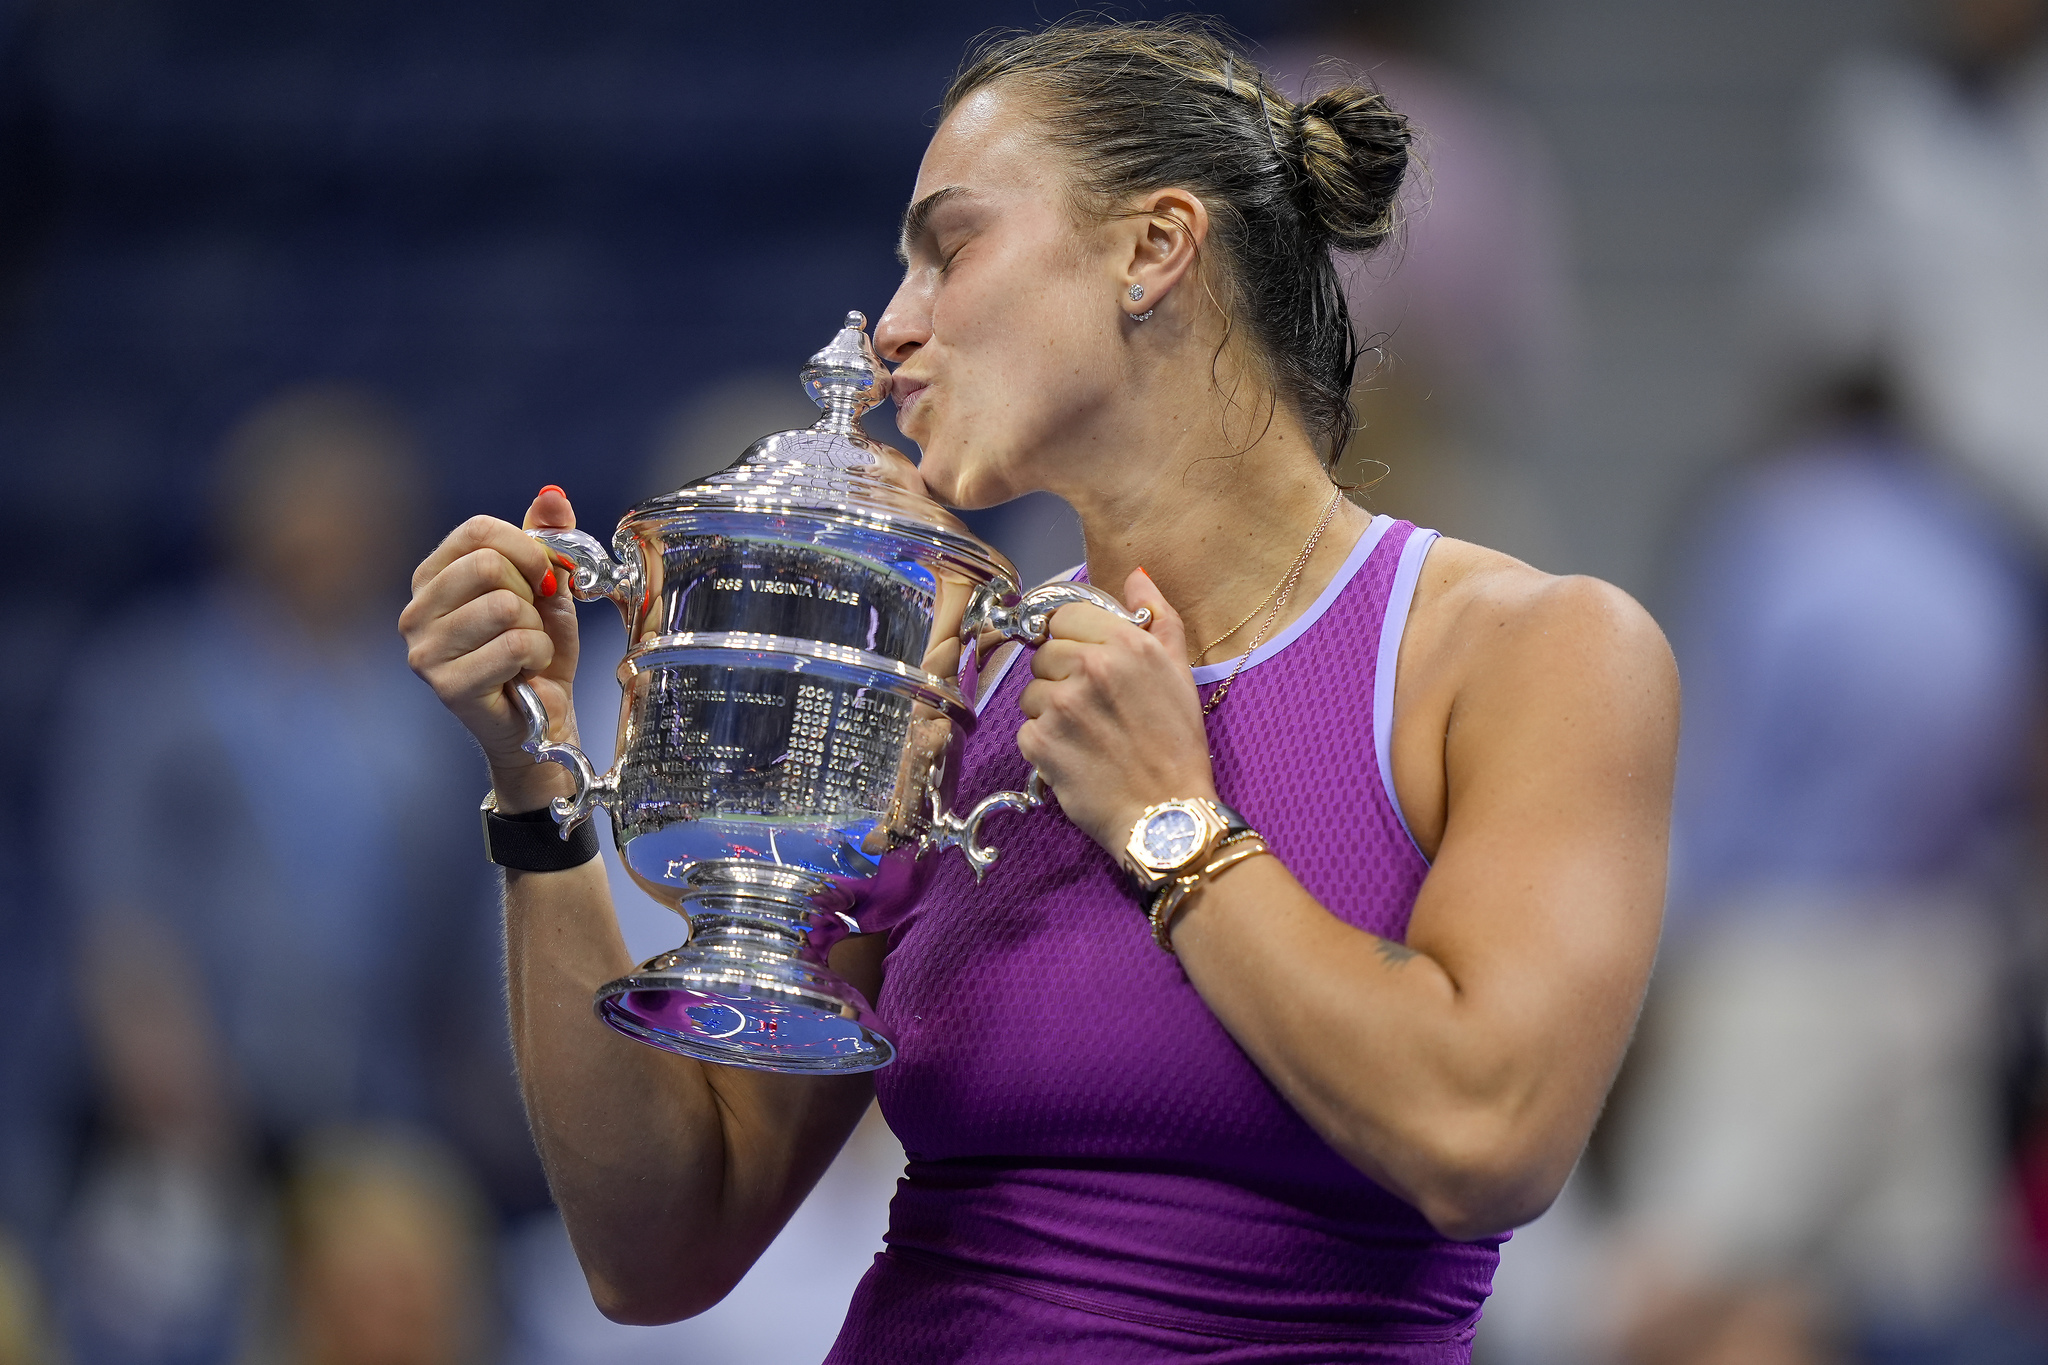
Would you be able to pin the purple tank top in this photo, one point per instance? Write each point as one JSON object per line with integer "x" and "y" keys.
{"x": 1096, "y": 1170}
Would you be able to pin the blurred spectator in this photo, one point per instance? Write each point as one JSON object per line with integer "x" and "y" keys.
{"x": 1810, "y": 1158}
{"x": 160, "y": 1257}
{"x": 1813, "y": 1143}
{"x": 24, "y": 1335}
{"x": 386, "y": 1248}
{"x": 1916, "y": 256}
{"x": 1474, "y": 315}
{"x": 274, "y": 851}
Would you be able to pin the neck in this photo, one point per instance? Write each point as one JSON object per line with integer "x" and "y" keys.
{"x": 1217, "y": 524}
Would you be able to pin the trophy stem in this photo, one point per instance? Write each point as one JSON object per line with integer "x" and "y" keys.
{"x": 752, "y": 988}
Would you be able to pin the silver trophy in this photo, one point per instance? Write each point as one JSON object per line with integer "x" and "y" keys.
{"x": 805, "y": 632}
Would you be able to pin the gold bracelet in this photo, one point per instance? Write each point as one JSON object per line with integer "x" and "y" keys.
{"x": 1155, "y": 900}
{"x": 1167, "y": 899}
{"x": 1168, "y": 902}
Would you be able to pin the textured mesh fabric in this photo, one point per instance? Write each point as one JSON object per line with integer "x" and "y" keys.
{"x": 1093, "y": 1160}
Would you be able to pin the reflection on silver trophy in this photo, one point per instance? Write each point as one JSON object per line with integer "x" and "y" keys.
{"x": 798, "y": 681}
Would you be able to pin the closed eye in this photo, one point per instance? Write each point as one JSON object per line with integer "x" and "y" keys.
{"x": 917, "y": 220}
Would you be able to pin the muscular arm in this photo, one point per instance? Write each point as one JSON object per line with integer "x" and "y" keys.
{"x": 1534, "y": 744}
{"x": 1465, "y": 1068}
{"x": 672, "y": 1176}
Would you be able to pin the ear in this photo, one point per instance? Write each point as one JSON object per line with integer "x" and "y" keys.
{"x": 1167, "y": 229}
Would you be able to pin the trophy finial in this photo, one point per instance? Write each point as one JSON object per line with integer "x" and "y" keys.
{"x": 846, "y": 378}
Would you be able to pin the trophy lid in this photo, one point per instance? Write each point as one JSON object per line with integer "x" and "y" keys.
{"x": 834, "y": 468}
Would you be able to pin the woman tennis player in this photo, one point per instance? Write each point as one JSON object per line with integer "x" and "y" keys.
{"x": 1317, "y": 989}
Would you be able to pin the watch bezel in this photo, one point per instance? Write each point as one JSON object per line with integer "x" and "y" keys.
{"x": 1152, "y": 873}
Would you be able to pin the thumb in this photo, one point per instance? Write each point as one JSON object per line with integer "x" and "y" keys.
{"x": 550, "y": 511}
{"x": 1141, "y": 591}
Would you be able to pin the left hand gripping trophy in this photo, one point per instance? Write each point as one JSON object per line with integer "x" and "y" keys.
{"x": 804, "y": 633}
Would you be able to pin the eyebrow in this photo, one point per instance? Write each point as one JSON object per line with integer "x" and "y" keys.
{"x": 918, "y": 215}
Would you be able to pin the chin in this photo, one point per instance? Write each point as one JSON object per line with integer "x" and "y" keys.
{"x": 943, "y": 479}
{"x": 938, "y": 481}
{"x": 968, "y": 484}
{"x": 970, "y": 496}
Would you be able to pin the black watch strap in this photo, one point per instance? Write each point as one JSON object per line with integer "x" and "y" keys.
{"x": 531, "y": 841}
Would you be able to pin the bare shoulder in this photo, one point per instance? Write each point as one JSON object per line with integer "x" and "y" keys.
{"x": 1501, "y": 661}
{"x": 1479, "y": 609}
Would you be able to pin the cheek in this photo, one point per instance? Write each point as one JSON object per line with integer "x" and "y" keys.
{"x": 1026, "y": 360}
{"x": 1029, "y": 353}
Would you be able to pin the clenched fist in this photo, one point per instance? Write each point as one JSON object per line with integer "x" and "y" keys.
{"x": 488, "y": 608}
{"x": 1113, "y": 720}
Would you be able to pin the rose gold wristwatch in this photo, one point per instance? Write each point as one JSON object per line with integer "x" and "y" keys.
{"x": 1173, "y": 838}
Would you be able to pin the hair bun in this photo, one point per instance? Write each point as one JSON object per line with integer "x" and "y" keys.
{"x": 1354, "y": 150}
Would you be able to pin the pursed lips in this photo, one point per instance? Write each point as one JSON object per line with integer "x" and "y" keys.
{"x": 904, "y": 391}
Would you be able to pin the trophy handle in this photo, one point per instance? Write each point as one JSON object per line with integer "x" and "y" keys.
{"x": 569, "y": 811}
{"x": 997, "y": 606}
{"x": 592, "y": 572}
{"x": 964, "y": 831}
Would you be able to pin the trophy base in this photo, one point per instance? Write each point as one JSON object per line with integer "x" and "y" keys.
{"x": 767, "y": 1012}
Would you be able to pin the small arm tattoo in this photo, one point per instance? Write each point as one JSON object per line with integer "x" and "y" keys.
{"x": 1394, "y": 954}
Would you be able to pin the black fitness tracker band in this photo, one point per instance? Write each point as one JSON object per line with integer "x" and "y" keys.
{"x": 531, "y": 842}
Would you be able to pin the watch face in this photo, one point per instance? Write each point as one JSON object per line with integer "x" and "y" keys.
{"x": 1170, "y": 837}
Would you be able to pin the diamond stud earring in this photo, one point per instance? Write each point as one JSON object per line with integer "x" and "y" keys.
{"x": 1137, "y": 292}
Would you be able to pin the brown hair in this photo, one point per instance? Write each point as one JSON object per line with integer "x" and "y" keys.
{"x": 1144, "y": 106}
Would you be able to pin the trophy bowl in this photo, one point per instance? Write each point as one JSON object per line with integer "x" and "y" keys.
{"x": 805, "y": 630}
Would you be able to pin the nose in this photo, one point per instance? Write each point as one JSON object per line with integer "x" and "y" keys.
{"x": 906, "y": 323}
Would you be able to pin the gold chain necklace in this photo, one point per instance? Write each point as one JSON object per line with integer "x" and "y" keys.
{"x": 1278, "y": 599}
{"x": 1203, "y": 652}
{"x": 1246, "y": 619}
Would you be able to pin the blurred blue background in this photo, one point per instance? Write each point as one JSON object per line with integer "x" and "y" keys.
{"x": 1737, "y": 304}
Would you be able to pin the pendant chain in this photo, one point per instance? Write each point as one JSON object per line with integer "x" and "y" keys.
{"x": 1278, "y": 601}
{"x": 1203, "y": 653}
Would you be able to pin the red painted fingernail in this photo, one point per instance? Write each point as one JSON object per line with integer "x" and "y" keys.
{"x": 565, "y": 562}
{"x": 551, "y": 488}
{"x": 547, "y": 584}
